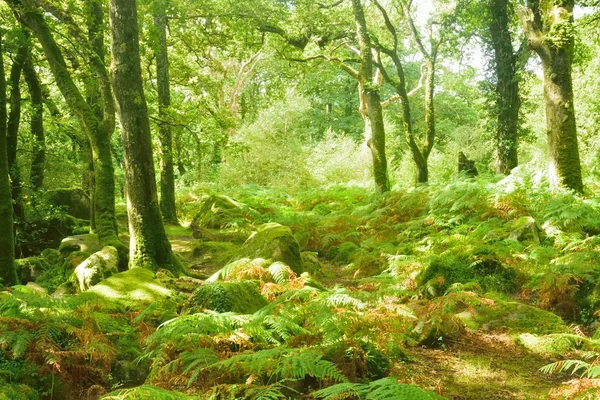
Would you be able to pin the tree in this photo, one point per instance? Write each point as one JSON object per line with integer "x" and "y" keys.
{"x": 149, "y": 245}
{"x": 8, "y": 274}
{"x": 549, "y": 30}
{"x": 370, "y": 99}
{"x": 167, "y": 176}
{"x": 13, "y": 124}
{"x": 98, "y": 131}
{"x": 506, "y": 94}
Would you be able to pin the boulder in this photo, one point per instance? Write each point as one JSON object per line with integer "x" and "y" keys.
{"x": 134, "y": 288}
{"x": 73, "y": 201}
{"x": 276, "y": 242}
{"x": 311, "y": 262}
{"x": 30, "y": 268}
{"x": 95, "y": 268}
{"x": 218, "y": 212}
{"x": 88, "y": 243}
{"x": 241, "y": 297}
{"x": 34, "y": 236}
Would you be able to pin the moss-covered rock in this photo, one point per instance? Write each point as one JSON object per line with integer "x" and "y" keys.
{"x": 276, "y": 242}
{"x": 240, "y": 297}
{"x": 31, "y": 268}
{"x": 219, "y": 211}
{"x": 513, "y": 317}
{"x": 95, "y": 268}
{"x": 35, "y": 235}
{"x": 87, "y": 243}
{"x": 311, "y": 262}
{"x": 74, "y": 201}
{"x": 556, "y": 344}
{"x": 135, "y": 288}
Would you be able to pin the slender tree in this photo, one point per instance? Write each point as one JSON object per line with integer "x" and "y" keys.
{"x": 149, "y": 245}
{"x": 506, "y": 94}
{"x": 8, "y": 274}
{"x": 13, "y": 124}
{"x": 167, "y": 175}
{"x": 370, "y": 99}
{"x": 549, "y": 29}
{"x": 36, "y": 174}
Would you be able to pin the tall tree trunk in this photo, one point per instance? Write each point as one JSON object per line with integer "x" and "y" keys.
{"x": 149, "y": 246}
{"x": 507, "y": 98}
{"x": 167, "y": 175}
{"x": 372, "y": 100}
{"x": 98, "y": 131}
{"x": 8, "y": 275}
{"x": 549, "y": 29}
{"x": 36, "y": 175}
{"x": 14, "y": 121}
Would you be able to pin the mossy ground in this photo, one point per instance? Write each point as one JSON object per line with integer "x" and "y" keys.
{"x": 432, "y": 285}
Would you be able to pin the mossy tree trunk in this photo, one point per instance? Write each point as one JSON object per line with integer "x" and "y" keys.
{"x": 98, "y": 131}
{"x": 149, "y": 246}
{"x": 167, "y": 176}
{"x": 506, "y": 96}
{"x": 549, "y": 29}
{"x": 372, "y": 101}
{"x": 8, "y": 275}
{"x": 13, "y": 124}
{"x": 38, "y": 161}
{"x": 420, "y": 151}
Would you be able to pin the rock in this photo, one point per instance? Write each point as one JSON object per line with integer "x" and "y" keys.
{"x": 34, "y": 236}
{"x": 218, "y": 212}
{"x": 241, "y": 297}
{"x": 95, "y": 268}
{"x": 74, "y": 201}
{"x": 88, "y": 243}
{"x": 311, "y": 262}
{"x": 467, "y": 166}
{"x": 275, "y": 242}
{"x": 29, "y": 269}
{"x": 36, "y": 288}
{"x": 134, "y": 288}
{"x": 525, "y": 228}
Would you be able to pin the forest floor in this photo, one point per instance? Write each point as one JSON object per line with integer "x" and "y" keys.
{"x": 461, "y": 291}
{"x": 481, "y": 365}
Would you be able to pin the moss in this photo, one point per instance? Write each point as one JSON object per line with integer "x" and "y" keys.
{"x": 219, "y": 211}
{"x": 240, "y": 297}
{"x": 134, "y": 288}
{"x": 88, "y": 243}
{"x": 513, "y": 317}
{"x": 12, "y": 391}
{"x": 275, "y": 242}
{"x": 553, "y": 344}
{"x": 29, "y": 269}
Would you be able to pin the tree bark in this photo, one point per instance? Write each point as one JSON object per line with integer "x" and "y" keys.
{"x": 36, "y": 175}
{"x": 8, "y": 275}
{"x": 14, "y": 121}
{"x": 507, "y": 98}
{"x": 549, "y": 29}
{"x": 372, "y": 100}
{"x": 98, "y": 131}
{"x": 149, "y": 246}
{"x": 167, "y": 175}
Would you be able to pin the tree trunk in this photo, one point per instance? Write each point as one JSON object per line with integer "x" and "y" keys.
{"x": 8, "y": 275}
{"x": 36, "y": 175}
{"x": 167, "y": 176}
{"x": 374, "y": 111}
{"x": 564, "y": 168}
{"x": 548, "y": 26}
{"x": 97, "y": 131}
{"x": 507, "y": 98}
{"x": 14, "y": 121}
{"x": 149, "y": 246}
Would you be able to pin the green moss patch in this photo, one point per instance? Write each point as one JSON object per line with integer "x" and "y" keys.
{"x": 240, "y": 297}
{"x": 133, "y": 288}
{"x": 513, "y": 317}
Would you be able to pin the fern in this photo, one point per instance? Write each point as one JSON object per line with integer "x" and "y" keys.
{"x": 386, "y": 388}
